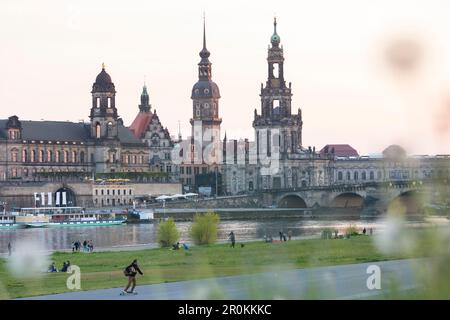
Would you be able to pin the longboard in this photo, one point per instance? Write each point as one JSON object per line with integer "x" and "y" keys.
{"x": 128, "y": 293}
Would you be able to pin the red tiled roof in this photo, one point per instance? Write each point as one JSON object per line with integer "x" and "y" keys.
{"x": 140, "y": 123}
{"x": 340, "y": 150}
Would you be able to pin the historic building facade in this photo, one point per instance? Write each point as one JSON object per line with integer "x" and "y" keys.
{"x": 57, "y": 150}
{"x": 148, "y": 128}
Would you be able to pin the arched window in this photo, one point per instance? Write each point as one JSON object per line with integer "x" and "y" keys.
{"x": 66, "y": 156}
{"x": 110, "y": 129}
{"x": 363, "y": 175}
{"x": 24, "y": 156}
{"x": 371, "y": 175}
{"x": 41, "y": 155}
{"x": 339, "y": 175}
{"x": 14, "y": 156}
{"x": 82, "y": 156}
{"x": 379, "y": 175}
{"x": 33, "y": 156}
{"x": 74, "y": 156}
{"x": 97, "y": 130}
{"x": 355, "y": 175}
{"x": 49, "y": 156}
{"x": 134, "y": 159}
{"x": 348, "y": 175}
{"x": 250, "y": 186}
{"x": 58, "y": 156}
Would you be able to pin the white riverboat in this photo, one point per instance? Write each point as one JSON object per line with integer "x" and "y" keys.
{"x": 59, "y": 217}
{"x": 8, "y": 221}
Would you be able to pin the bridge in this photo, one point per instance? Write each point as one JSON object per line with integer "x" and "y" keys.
{"x": 371, "y": 198}
{"x": 405, "y": 196}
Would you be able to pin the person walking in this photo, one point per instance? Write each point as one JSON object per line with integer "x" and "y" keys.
{"x": 281, "y": 235}
{"x": 9, "y": 249}
{"x": 131, "y": 272}
{"x": 289, "y": 235}
{"x": 232, "y": 238}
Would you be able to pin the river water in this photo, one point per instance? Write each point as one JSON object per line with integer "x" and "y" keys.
{"x": 135, "y": 236}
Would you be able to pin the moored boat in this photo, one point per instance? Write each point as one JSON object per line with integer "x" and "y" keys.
{"x": 8, "y": 221}
{"x": 59, "y": 217}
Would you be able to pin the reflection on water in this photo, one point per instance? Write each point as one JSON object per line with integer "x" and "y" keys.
{"x": 145, "y": 234}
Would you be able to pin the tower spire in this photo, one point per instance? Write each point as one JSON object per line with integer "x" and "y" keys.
{"x": 204, "y": 31}
{"x": 204, "y": 67}
{"x": 275, "y": 39}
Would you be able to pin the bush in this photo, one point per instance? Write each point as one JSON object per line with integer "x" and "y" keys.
{"x": 204, "y": 228}
{"x": 168, "y": 233}
{"x": 351, "y": 230}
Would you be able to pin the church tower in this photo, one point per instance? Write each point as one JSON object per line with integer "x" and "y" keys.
{"x": 276, "y": 125}
{"x": 104, "y": 118}
{"x": 205, "y": 97}
{"x": 145, "y": 100}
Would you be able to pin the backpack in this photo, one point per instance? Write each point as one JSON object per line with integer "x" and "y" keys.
{"x": 129, "y": 271}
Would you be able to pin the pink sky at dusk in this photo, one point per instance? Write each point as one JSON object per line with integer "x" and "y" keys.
{"x": 366, "y": 73}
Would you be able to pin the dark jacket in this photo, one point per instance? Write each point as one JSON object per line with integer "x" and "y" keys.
{"x": 132, "y": 270}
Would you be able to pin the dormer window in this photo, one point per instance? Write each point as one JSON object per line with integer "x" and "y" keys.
{"x": 206, "y": 91}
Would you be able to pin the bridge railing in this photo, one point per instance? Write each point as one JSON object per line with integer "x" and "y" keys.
{"x": 413, "y": 184}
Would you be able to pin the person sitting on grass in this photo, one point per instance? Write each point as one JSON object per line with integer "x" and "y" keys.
{"x": 52, "y": 268}
{"x": 131, "y": 272}
{"x": 185, "y": 246}
{"x": 176, "y": 246}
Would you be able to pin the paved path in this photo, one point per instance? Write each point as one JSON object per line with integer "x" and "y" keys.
{"x": 336, "y": 282}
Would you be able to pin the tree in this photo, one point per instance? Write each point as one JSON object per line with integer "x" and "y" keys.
{"x": 168, "y": 233}
{"x": 204, "y": 228}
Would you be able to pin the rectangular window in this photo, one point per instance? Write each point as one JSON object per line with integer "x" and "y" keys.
{"x": 276, "y": 70}
{"x": 182, "y": 170}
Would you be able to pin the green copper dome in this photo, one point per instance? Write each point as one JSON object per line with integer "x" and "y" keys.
{"x": 275, "y": 39}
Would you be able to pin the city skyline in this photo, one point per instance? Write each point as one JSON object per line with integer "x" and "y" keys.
{"x": 394, "y": 105}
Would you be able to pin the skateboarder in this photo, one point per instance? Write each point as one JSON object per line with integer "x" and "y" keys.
{"x": 131, "y": 272}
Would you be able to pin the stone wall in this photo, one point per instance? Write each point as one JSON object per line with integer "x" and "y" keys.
{"x": 22, "y": 194}
{"x": 254, "y": 201}
{"x": 141, "y": 189}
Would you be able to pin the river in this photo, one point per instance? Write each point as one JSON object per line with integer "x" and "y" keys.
{"x": 135, "y": 236}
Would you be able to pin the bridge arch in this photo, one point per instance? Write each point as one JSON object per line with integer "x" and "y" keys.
{"x": 406, "y": 203}
{"x": 347, "y": 200}
{"x": 292, "y": 201}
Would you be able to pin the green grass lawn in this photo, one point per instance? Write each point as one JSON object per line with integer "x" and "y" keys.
{"x": 104, "y": 269}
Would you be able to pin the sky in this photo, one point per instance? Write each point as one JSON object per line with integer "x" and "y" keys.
{"x": 366, "y": 73}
